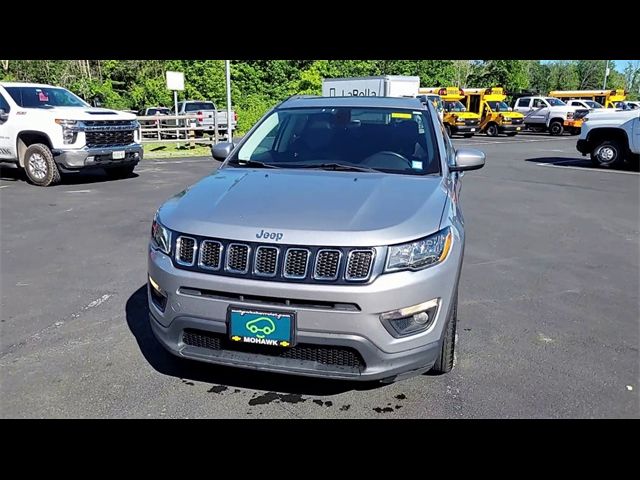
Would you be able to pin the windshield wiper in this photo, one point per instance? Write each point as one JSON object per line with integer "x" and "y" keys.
{"x": 252, "y": 163}
{"x": 335, "y": 166}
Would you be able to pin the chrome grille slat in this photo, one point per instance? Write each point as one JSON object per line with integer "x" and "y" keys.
{"x": 186, "y": 248}
{"x": 296, "y": 263}
{"x": 210, "y": 255}
{"x": 359, "y": 264}
{"x": 327, "y": 264}
{"x": 265, "y": 262}
{"x": 238, "y": 258}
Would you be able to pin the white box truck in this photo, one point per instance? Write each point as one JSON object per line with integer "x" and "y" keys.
{"x": 382, "y": 86}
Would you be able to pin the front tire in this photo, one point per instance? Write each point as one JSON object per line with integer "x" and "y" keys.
{"x": 492, "y": 130}
{"x": 120, "y": 172}
{"x": 556, "y": 128}
{"x": 607, "y": 154}
{"x": 444, "y": 362}
{"x": 39, "y": 165}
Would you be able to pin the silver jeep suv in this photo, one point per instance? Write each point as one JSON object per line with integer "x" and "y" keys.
{"x": 329, "y": 243}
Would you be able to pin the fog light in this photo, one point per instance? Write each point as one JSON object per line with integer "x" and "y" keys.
{"x": 89, "y": 160}
{"x": 411, "y": 320}
{"x": 158, "y": 295}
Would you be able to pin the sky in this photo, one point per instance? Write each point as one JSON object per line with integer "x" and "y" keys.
{"x": 620, "y": 64}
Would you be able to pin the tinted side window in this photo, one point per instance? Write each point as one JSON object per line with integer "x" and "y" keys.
{"x": 4, "y": 105}
{"x": 523, "y": 102}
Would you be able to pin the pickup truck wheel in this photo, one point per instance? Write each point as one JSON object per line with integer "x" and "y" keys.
{"x": 607, "y": 153}
{"x": 556, "y": 128}
{"x": 39, "y": 165}
{"x": 444, "y": 362}
{"x": 492, "y": 130}
{"x": 120, "y": 172}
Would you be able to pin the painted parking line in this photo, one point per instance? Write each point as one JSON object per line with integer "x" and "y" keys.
{"x": 4, "y": 186}
{"x": 585, "y": 169}
{"x": 78, "y": 191}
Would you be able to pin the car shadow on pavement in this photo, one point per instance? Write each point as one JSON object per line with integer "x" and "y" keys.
{"x": 98, "y": 176}
{"x": 137, "y": 312}
{"x": 580, "y": 162}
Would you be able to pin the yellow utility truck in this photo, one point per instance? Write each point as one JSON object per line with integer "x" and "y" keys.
{"x": 495, "y": 115}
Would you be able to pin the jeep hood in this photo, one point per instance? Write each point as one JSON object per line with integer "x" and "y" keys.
{"x": 309, "y": 207}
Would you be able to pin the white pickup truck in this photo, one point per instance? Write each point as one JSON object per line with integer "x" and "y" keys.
{"x": 611, "y": 138}
{"x": 49, "y": 131}
{"x": 549, "y": 114}
{"x": 207, "y": 115}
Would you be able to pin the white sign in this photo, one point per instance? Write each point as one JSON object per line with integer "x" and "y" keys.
{"x": 175, "y": 80}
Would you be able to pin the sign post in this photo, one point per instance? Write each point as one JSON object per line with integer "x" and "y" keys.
{"x": 175, "y": 82}
{"x": 229, "y": 119}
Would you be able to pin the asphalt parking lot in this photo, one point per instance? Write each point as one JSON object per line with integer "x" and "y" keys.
{"x": 548, "y": 314}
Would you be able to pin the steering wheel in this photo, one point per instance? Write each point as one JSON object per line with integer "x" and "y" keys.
{"x": 386, "y": 152}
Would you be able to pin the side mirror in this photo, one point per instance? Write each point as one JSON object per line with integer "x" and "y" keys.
{"x": 468, "y": 159}
{"x": 96, "y": 102}
{"x": 4, "y": 116}
{"x": 221, "y": 150}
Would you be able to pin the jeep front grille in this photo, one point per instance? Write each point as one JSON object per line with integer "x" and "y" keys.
{"x": 238, "y": 258}
{"x": 359, "y": 264}
{"x": 185, "y": 250}
{"x": 283, "y": 263}
{"x": 210, "y": 254}
{"x": 266, "y": 261}
{"x": 327, "y": 265}
{"x": 296, "y": 263}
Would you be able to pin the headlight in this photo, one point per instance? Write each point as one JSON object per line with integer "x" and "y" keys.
{"x": 160, "y": 236}
{"x": 421, "y": 253}
{"x": 569, "y": 114}
{"x": 69, "y": 134}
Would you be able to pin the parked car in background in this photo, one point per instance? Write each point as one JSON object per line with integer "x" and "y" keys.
{"x": 329, "y": 243}
{"x": 588, "y": 104}
{"x": 207, "y": 114}
{"x": 611, "y": 139}
{"x": 48, "y": 131}
{"x": 152, "y": 123}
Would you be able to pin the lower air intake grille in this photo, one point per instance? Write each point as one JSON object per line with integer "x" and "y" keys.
{"x": 325, "y": 355}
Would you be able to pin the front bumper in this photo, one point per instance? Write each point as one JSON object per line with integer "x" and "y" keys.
{"x": 573, "y": 123}
{"x": 464, "y": 128}
{"x": 98, "y": 157}
{"x": 510, "y": 128}
{"x": 383, "y": 355}
{"x": 583, "y": 147}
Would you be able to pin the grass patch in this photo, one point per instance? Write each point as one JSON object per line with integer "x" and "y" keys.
{"x": 175, "y": 150}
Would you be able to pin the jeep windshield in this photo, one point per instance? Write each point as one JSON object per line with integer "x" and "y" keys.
{"x": 555, "y": 102}
{"x": 44, "y": 97}
{"x": 345, "y": 138}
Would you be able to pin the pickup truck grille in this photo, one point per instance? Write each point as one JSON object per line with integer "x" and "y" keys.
{"x": 517, "y": 121}
{"x": 580, "y": 113}
{"x": 274, "y": 262}
{"x": 109, "y": 133}
{"x": 109, "y": 138}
